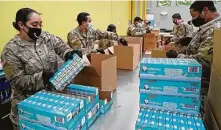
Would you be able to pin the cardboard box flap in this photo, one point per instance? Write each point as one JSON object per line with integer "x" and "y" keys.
{"x": 134, "y": 40}
{"x": 109, "y": 73}
{"x": 97, "y": 59}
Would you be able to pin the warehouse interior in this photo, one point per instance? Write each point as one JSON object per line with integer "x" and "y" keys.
{"x": 110, "y": 65}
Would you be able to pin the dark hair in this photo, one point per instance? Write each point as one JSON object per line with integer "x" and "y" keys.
{"x": 82, "y": 17}
{"x": 137, "y": 19}
{"x": 176, "y": 15}
{"x": 199, "y": 5}
{"x": 23, "y": 15}
{"x": 189, "y": 22}
{"x": 111, "y": 28}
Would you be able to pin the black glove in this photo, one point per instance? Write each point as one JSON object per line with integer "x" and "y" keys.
{"x": 123, "y": 42}
{"x": 46, "y": 75}
{"x": 148, "y": 31}
{"x": 172, "y": 54}
{"x": 100, "y": 51}
{"x": 70, "y": 54}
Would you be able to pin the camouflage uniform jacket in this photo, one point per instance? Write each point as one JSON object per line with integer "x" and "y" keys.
{"x": 135, "y": 31}
{"x": 24, "y": 64}
{"x": 79, "y": 40}
{"x": 201, "y": 46}
{"x": 105, "y": 43}
{"x": 180, "y": 31}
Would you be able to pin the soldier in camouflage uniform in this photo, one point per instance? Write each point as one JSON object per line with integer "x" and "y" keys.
{"x": 181, "y": 30}
{"x": 105, "y": 43}
{"x": 136, "y": 29}
{"x": 83, "y": 37}
{"x": 206, "y": 17}
{"x": 30, "y": 58}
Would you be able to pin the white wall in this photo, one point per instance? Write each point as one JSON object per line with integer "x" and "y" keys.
{"x": 166, "y": 21}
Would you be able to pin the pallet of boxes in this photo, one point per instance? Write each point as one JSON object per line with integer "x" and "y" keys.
{"x": 213, "y": 102}
{"x": 77, "y": 108}
{"x": 169, "y": 94}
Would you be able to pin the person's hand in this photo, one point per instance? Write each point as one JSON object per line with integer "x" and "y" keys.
{"x": 70, "y": 54}
{"x": 46, "y": 75}
{"x": 123, "y": 42}
{"x": 100, "y": 51}
{"x": 172, "y": 54}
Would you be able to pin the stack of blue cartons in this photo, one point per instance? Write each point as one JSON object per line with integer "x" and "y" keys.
{"x": 91, "y": 100}
{"x": 151, "y": 119}
{"x": 5, "y": 92}
{"x": 48, "y": 111}
{"x": 170, "y": 85}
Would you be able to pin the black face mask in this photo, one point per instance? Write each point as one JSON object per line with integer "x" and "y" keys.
{"x": 198, "y": 21}
{"x": 33, "y": 33}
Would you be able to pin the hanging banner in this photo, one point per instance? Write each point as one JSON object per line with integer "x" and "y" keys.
{"x": 163, "y": 3}
{"x": 184, "y": 2}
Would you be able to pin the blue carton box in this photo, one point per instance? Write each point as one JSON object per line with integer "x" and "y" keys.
{"x": 171, "y": 69}
{"x": 176, "y": 88}
{"x": 92, "y": 115}
{"x": 166, "y": 120}
{"x": 105, "y": 105}
{"x": 52, "y": 110}
{"x": 67, "y": 72}
{"x": 188, "y": 105}
{"x": 87, "y": 93}
{"x": 27, "y": 125}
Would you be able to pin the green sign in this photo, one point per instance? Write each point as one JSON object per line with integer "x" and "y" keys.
{"x": 184, "y": 2}
{"x": 163, "y": 3}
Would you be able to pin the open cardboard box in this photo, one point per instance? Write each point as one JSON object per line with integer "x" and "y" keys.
{"x": 136, "y": 40}
{"x": 128, "y": 57}
{"x": 102, "y": 72}
{"x": 214, "y": 95}
{"x": 217, "y": 51}
{"x": 158, "y": 53}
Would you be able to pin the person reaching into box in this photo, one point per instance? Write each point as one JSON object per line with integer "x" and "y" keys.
{"x": 84, "y": 36}
{"x": 30, "y": 58}
{"x": 136, "y": 29}
{"x": 181, "y": 30}
{"x": 105, "y": 43}
{"x": 205, "y": 16}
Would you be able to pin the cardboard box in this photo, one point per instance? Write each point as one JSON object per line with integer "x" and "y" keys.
{"x": 128, "y": 57}
{"x": 102, "y": 73}
{"x": 209, "y": 117}
{"x": 150, "y": 41}
{"x": 214, "y": 95}
{"x": 217, "y": 51}
{"x": 136, "y": 40}
{"x": 158, "y": 53}
{"x": 105, "y": 95}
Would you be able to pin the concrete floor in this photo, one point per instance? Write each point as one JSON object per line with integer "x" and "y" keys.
{"x": 124, "y": 111}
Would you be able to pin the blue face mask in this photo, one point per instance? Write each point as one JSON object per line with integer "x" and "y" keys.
{"x": 89, "y": 25}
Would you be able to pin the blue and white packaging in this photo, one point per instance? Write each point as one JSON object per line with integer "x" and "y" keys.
{"x": 87, "y": 93}
{"x": 171, "y": 103}
{"x": 67, "y": 72}
{"x": 105, "y": 105}
{"x": 175, "y": 69}
{"x": 27, "y": 125}
{"x": 165, "y": 87}
{"x": 52, "y": 110}
{"x": 199, "y": 123}
{"x": 93, "y": 115}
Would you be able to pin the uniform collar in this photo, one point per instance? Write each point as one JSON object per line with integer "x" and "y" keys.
{"x": 210, "y": 23}
{"x": 22, "y": 42}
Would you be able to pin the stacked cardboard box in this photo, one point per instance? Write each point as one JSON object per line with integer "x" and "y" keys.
{"x": 212, "y": 110}
{"x": 46, "y": 110}
{"x": 167, "y": 87}
{"x": 170, "y": 84}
